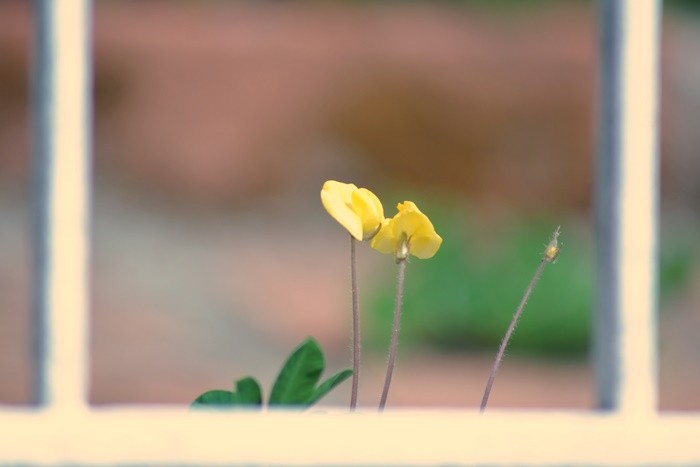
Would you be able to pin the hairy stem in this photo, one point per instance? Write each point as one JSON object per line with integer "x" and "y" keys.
{"x": 395, "y": 331}
{"x": 511, "y": 328}
{"x": 355, "y": 326}
{"x": 550, "y": 255}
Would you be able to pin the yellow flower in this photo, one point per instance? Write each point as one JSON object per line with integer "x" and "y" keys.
{"x": 408, "y": 232}
{"x": 357, "y": 209}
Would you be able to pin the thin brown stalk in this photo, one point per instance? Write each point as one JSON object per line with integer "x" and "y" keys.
{"x": 355, "y": 327}
{"x": 551, "y": 252}
{"x": 395, "y": 331}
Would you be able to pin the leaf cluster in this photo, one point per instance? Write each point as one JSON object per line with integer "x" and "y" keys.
{"x": 297, "y": 384}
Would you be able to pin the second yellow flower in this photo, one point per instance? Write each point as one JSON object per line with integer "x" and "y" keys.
{"x": 408, "y": 232}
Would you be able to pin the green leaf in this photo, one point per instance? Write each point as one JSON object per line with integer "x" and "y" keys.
{"x": 248, "y": 392}
{"x": 248, "y": 395}
{"x": 329, "y": 384}
{"x": 216, "y": 398}
{"x": 297, "y": 380}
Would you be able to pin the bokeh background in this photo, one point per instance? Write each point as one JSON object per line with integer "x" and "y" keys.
{"x": 216, "y": 123}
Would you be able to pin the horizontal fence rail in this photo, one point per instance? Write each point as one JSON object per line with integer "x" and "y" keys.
{"x": 148, "y": 436}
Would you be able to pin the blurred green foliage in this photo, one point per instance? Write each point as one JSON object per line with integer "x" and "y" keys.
{"x": 464, "y": 297}
{"x": 681, "y": 6}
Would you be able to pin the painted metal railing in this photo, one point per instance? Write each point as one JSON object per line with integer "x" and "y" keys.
{"x": 627, "y": 191}
{"x": 61, "y": 202}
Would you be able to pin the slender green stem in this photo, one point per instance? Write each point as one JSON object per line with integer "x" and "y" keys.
{"x": 395, "y": 331}
{"x": 355, "y": 326}
{"x": 550, "y": 255}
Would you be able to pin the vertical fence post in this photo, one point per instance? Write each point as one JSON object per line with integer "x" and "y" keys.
{"x": 61, "y": 200}
{"x": 627, "y": 206}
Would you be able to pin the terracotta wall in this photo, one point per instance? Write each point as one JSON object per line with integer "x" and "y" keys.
{"x": 223, "y": 101}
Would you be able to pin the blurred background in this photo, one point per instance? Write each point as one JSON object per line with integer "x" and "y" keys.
{"x": 216, "y": 124}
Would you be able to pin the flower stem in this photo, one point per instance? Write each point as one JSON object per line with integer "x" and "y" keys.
{"x": 550, "y": 254}
{"x": 395, "y": 331}
{"x": 355, "y": 326}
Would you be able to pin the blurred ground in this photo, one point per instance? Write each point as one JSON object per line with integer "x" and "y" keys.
{"x": 215, "y": 128}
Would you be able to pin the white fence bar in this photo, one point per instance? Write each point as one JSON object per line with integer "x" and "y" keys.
{"x": 61, "y": 167}
{"x": 627, "y": 205}
{"x": 451, "y": 437}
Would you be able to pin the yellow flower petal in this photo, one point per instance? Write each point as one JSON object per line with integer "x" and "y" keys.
{"x": 337, "y": 199}
{"x": 407, "y": 206}
{"x": 384, "y": 241}
{"x": 424, "y": 244}
{"x": 358, "y": 210}
{"x": 369, "y": 209}
{"x": 409, "y": 226}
